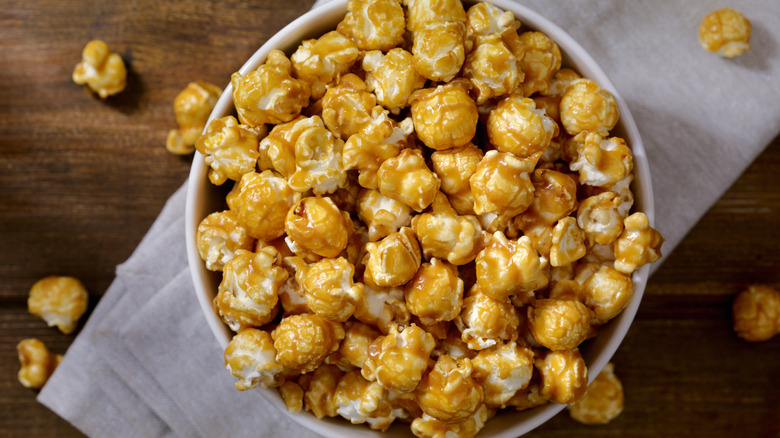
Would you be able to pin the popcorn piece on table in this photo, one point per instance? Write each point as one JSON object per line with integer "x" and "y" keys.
{"x": 315, "y": 225}
{"x": 58, "y": 300}
{"x": 218, "y": 238}
{"x": 330, "y": 291}
{"x": 392, "y": 77}
{"x": 484, "y": 321}
{"x": 506, "y": 267}
{"x": 607, "y": 292}
{"x": 192, "y": 107}
{"x": 379, "y": 140}
{"x": 502, "y": 184}
{"x": 269, "y": 94}
{"x": 587, "y": 107}
{"x": 230, "y": 149}
{"x": 446, "y": 116}
{"x": 100, "y": 70}
{"x": 435, "y": 293}
{"x": 559, "y": 324}
{"x": 303, "y": 341}
{"x": 515, "y": 125}
{"x": 408, "y": 179}
{"x": 600, "y": 161}
{"x": 374, "y": 25}
{"x": 394, "y": 260}
{"x": 261, "y": 202}
{"x": 382, "y": 214}
{"x": 756, "y": 313}
{"x": 726, "y": 32}
{"x": 398, "y": 360}
{"x": 320, "y": 61}
{"x": 603, "y": 400}
{"x": 36, "y": 362}
{"x": 248, "y": 294}
{"x": 448, "y": 392}
{"x": 564, "y": 376}
{"x": 637, "y": 245}
{"x": 250, "y": 356}
{"x": 503, "y": 370}
{"x": 541, "y": 61}
{"x": 568, "y": 242}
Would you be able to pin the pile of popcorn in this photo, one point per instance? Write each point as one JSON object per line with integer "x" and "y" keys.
{"x": 429, "y": 216}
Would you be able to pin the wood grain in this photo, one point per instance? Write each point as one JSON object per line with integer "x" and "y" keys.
{"x": 81, "y": 180}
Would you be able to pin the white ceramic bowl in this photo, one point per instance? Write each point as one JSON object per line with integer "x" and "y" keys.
{"x": 204, "y": 198}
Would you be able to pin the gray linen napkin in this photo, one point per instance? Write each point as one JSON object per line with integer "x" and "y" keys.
{"x": 146, "y": 363}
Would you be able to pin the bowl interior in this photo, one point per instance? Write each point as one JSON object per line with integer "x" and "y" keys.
{"x": 204, "y": 198}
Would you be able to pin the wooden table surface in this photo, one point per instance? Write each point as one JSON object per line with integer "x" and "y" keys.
{"x": 81, "y": 180}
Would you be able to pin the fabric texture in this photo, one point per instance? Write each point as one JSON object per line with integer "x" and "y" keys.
{"x": 146, "y": 364}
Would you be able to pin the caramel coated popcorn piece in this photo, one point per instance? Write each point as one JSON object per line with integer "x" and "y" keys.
{"x": 269, "y": 94}
{"x": 485, "y": 322}
{"x": 393, "y": 260}
{"x": 59, "y": 301}
{"x": 382, "y": 214}
{"x": 506, "y": 267}
{"x": 318, "y": 162}
{"x": 438, "y": 37}
{"x": 192, "y": 108}
{"x": 448, "y": 392}
{"x": 541, "y": 61}
{"x": 381, "y": 139}
{"x": 568, "y": 242}
{"x": 599, "y": 217}
{"x": 354, "y": 347}
{"x": 726, "y": 32}
{"x": 316, "y": 225}
{"x": 383, "y": 307}
{"x": 555, "y": 197}
{"x": 292, "y": 394}
{"x": 756, "y": 313}
{"x": 398, "y": 360}
{"x": 600, "y": 161}
{"x": 587, "y": 107}
{"x": 435, "y": 293}
{"x": 320, "y": 61}
{"x": 361, "y": 401}
{"x": 218, "y": 238}
{"x": 493, "y": 68}
{"x": 427, "y": 426}
{"x": 445, "y": 234}
{"x": 392, "y": 77}
{"x": 230, "y": 149}
{"x": 303, "y": 341}
{"x": 408, "y": 179}
{"x": 36, "y": 362}
{"x": 330, "y": 291}
{"x": 320, "y": 389}
{"x": 102, "y": 71}
{"x": 374, "y": 24}
{"x": 502, "y": 184}
{"x": 564, "y": 376}
{"x": 444, "y": 117}
{"x": 261, "y": 202}
{"x": 348, "y": 106}
{"x": 603, "y": 400}
{"x": 454, "y": 167}
{"x": 503, "y": 370}
{"x": 250, "y": 356}
{"x": 515, "y": 125}
{"x": 639, "y": 244}
{"x": 607, "y": 292}
{"x": 559, "y": 324}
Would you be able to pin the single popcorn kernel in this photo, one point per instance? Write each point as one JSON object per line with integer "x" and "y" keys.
{"x": 320, "y": 61}
{"x": 439, "y": 50}
{"x": 261, "y": 202}
{"x": 502, "y": 185}
{"x": 319, "y": 390}
{"x": 394, "y": 260}
{"x": 348, "y": 106}
{"x": 515, "y": 125}
{"x": 603, "y": 400}
{"x": 559, "y": 324}
{"x": 541, "y": 61}
{"x": 426, "y": 426}
{"x": 408, "y": 179}
{"x": 726, "y": 32}
{"x": 599, "y": 217}
{"x": 568, "y": 242}
{"x": 639, "y": 244}
{"x": 318, "y": 162}
{"x": 607, "y": 292}
{"x": 248, "y": 293}
{"x": 383, "y": 307}
{"x": 269, "y": 94}
{"x": 506, "y": 267}
{"x": 398, "y": 360}
{"x": 446, "y": 116}
{"x": 192, "y": 108}
{"x": 292, "y": 394}
{"x": 374, "y": 25}
{"x": 316, "y": 225}
{"x": 250, "y": 357}
{"x": 454, "y": 167}
{"x": 444, "y": 234}
{"x": 361, "y": 401}
{"x": 277, "y": 149}
{"x": 602, "y": 162}
{"x": 555, "y": 197}
{"x": 230, "y": 149}
{"x": 36, "y": 362}
{"x": 756, "y": 313}
{"x": 330, "y": 291}
{"x": 303, "y": 341}
{"x": 587, "y": 107}
{"x": 485, "y": 322}
{"x": 392, "y": 77}
{"x": 493, "y": 68}
{"x": 382, "y": 214}
{"x": 503, "y": 370}
{"x": 218, "y": 238}
{"x": 380, "y": 140}
{"x": 59, "y": 301}
{"x": 435, "y": 293}
{"x": 100, "y": 70}
{"x": 564, "y": 376}
{"x": 448, "y": 392}
{"x": 358, "y": 337}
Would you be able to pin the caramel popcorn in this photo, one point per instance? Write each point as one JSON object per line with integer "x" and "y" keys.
{"x": 218, "y": 238}
{"x": 261, "y": 202}
{"x": 318, "y": 162}
{"x": 36, "y": 363}
{"x": 250, "y": 356}
{"x": 230, "y": 149}
{"x": 599, "y": 217}
{"x": 506, "y": 267}
{"x": 374, "y": 25}
{"x": 502, "y": 370}
{"x": 439, "y": 49}
{"x": 319, "y": 390}
{"x": 316, "y": 225}
{"x": 444, "y": 117}
{"x": 427, "y": 426}
{"x": 602, "y": 161}
{"x": 381, "y": 139}
{"x": 555, "y": 197}
{"x": 639, "y": 244}
{"x": 330, "y": 291}
{"x": 561, "y": 81}
{"x": 383, "y": 307}
{"x": 292, "y": 394}
{"x": 541, "y": 61}
{"x": 361, "y": 401}
{"x": 393, "y": 260}
{"x": 528, "y": 398}
{"x": 408, "y": 179}
{"x": 448, "y": 392}
{"x": 354, "y": 347}
{"x": 320, "y": 61}
{"x": 101, "y": 70}
{"x": 603, "y": 400}
{"x": 392, "y": 77}
{"x": 382, "y": 214}
{"x": 192, "y": 108}
{"x": 726, "y": 32}
{"x": 59, "y": 301}
{"x": 248, "y": 293}
{"x": 587, "y": 107}
{"x": 303, "y": 341}
{"x": 348, "y": 106}
{"x": 501, "y": 184}
{"x": 435, "y": 293}
{"x": 568, "y": 242}
{"x": 277, "y": 149}
{"x": 564, "y": 376}
{"x": 493, "y": 68}
{"x": 485, "y": 322}
{"x": 607, "y": 292}
{"x": 454, "y": 167}
{"x": 559, "y": 324}
{"x": 444, "y": 234}
{"x": 515, "y": 125}
{"x": 269, "y": 94}
{"x": 398, "y": 360}
{"x": 756, "y": 313}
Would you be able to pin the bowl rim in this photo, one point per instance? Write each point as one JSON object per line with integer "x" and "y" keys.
{"x": 316, "y": 22}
